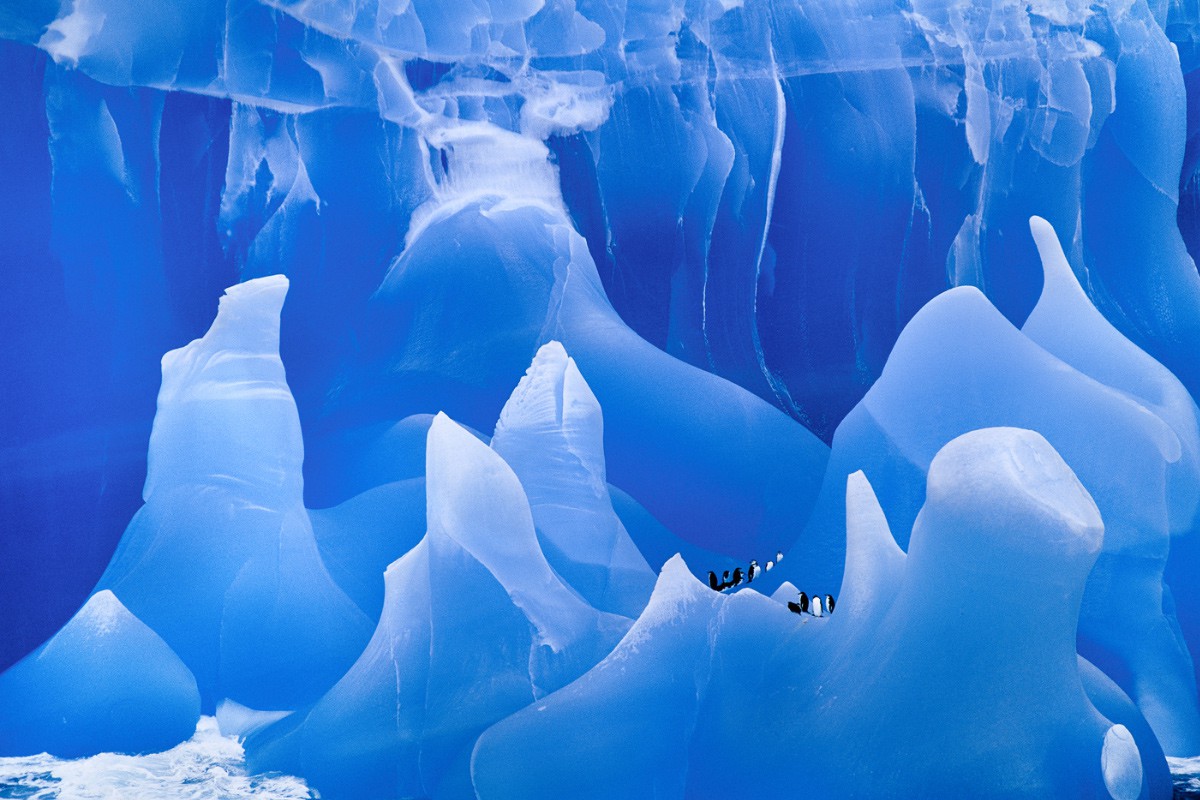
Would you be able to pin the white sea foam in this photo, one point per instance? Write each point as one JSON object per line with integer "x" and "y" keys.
{"x": 208, "y": 766}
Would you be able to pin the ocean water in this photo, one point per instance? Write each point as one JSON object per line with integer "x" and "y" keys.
{"x": 1186, "y": 773}
{"x": 208, "y": 766}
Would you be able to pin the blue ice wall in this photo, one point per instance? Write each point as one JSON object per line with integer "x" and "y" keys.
{"x": 725, "y": 213}
{"x": 829, "y": 171}
{"x": 96, "y": 180}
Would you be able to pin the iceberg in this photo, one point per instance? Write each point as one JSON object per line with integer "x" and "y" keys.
{"x": 551, "y": 433}
{"x": 958, "y": 366}
{"x": 990, "y": 594}
{"x": 1003, "y": 543}
{"x": 715, "y": 464}
{"x": 222, "y": 561}
{"x": 586, "y": 300}
{"x": 104, "y": 683}
{"x": 981, "y": 615}
{"x": 401, "y": 722}
{"x": 625, "y": 726}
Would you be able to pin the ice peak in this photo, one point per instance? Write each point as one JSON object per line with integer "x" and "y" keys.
{"x": 1059, "y": 278}
{"x": 874, "y": 562}
{"x": 103, "y": 613}
{"x": 1016, "y": 490}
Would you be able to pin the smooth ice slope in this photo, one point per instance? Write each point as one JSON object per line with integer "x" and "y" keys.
{"x": 874, "y": 562}
{"x": 475, "y": 626}
{"x": 896, "y": 698}
{"x": 492, "y": 270}
{"x": 958, "y": 366}
{"x": 104, "y": 683}
{"x": 669, "y": 712}
{"x": 625, "y": 726}
{"x": 221, "y": 561}
{"x": 552, "y": 434}
{"x": 1065, "y": 323}
{"x": 984, "y": 620}
{"x": 359, "y": 538}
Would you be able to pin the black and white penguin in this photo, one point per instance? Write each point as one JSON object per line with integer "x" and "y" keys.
{"x": 752, "y": 571}
{"x": 725, "y": 580}
{"x": 737, "y": 576}
{"x": 770, "y": 566}
{"x": 816, "y": 606}
{"x": 829, "y": 603}
{"x": 803, "y": 603}
{"x": 778, "y": 556}
{"x": 713, "y": 582}
{"x": 794, "y": 607}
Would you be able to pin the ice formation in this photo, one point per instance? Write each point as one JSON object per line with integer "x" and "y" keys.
{"x": 221, "y": 561}
{"x": 959, "y": 365}
{"x": 584, "y": 300}
{"x": 475, "y": 625}
{"x": 551, "y": 433}
{"x": 104, "y": 683}
{"x": 983, "y": 618}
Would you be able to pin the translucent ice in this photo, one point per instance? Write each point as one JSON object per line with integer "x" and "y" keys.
{"x": 984, "y": 619}
{"x": 874, "y": 562}
{"x": 221, "y": 561}
{"x": 551, "y": 433}
{"x": 626, "y": 726}
{"x": 959, "y": 365}
{"x": 104, "y": 683}
{"x": 475, "y": 625}
{"x": 359, "y": 538}
{"x": 716, "y": 465}
{"x": 1065, "y": 323}
{"x": 726, "y": 211}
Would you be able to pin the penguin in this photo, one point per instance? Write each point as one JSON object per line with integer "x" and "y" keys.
{"x": 724, "y": 581}
{"x": 778, "y": 556}
{"x": 712, "y": 581}
{"x": 794, "y": 607}
{"x": 829, "y": 603}
{"x": 751, "y": 571}
{"x": 803, "y": 603}
{"x": 770, "y": 566}
{"x": 737, "y": 576}
{"x": 816, "y": 606}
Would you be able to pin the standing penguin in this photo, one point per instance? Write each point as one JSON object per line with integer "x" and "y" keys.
{"x": 770, "y": 565}
{"x": 778, "y": 556}
{"x": 816, "y": 606}
{"x": 751, "y": 571}
{"x": 829, "y": 603}
{"x": 724, "y": 581}
{"x": 737, "y": 576}
{"x": 803, "y": 603}
{"x": 712, "y": 581}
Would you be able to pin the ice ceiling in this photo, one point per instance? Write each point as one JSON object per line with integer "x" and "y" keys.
{"x": 565, "y": 288}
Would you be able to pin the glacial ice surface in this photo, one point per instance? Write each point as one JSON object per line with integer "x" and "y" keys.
{"x": 663, "y": 252}
{"x": 551, "y": 433}
{"x": 221, "y": 561}
{"x": 960, "y": 365}
{"x": 104, "y": 683}
{"x": 475, "y": 626}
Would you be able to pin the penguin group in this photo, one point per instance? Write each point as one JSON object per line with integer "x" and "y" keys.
{"x": 752, "y": 571}
{"x": 803, "y": 605}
